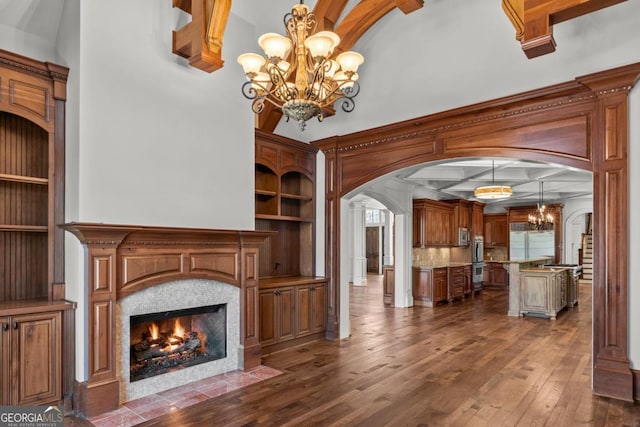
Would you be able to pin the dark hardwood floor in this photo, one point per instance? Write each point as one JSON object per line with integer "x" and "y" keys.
{"x": 463, "y": 364}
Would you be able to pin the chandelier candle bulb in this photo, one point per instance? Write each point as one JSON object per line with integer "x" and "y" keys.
{"x": 299, "y": 74}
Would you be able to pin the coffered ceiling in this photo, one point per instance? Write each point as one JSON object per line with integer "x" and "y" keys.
{"x": 458, "y": 179}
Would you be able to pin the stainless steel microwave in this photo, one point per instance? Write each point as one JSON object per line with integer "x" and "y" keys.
{"x": 463, "y": 236}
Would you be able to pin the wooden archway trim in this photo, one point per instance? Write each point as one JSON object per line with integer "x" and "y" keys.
{"x": 583, "y": 123}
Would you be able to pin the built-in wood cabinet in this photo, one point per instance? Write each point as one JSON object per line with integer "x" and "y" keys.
{"x": 496, "y": 231}
{"x": 433, "y": 223}
{"x": 310, "y": 307}
{"x": 277, "y": 316}
{"x": 292, "y": 303}
{"x": 37, "y": 324}
{"x": 429, "y": 286}
{"x": 31, "y": 358}
{"x": 291, "y": 310}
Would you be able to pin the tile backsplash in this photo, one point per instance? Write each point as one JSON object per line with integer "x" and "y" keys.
{"x": 496, "y": 254}
{"x": 431, "y": 256}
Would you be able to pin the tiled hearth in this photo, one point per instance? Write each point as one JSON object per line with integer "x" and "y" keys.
{"x": 157, "y": 405}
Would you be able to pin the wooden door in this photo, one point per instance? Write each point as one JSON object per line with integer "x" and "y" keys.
{"x": 37, "y": 358}
{"x": 373, "y": 249}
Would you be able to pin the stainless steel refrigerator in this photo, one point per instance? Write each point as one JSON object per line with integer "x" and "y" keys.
{"x": 527, "y": 244}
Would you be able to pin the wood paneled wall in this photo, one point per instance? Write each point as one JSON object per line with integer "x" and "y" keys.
{"x": 581, "y": 123}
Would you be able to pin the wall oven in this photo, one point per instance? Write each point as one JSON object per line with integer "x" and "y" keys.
{"x": 477, "y": 261}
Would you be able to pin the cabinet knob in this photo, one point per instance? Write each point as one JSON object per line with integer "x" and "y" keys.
{"x": 15, "y": 325}
{"x": 5, "y": 326}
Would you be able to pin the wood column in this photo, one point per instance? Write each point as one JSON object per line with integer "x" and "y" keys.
{"x": 611, "y": 372}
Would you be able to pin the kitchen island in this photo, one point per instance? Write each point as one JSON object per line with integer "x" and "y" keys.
{"x": 543, "y": 290}
{"x": 514, "y": 268}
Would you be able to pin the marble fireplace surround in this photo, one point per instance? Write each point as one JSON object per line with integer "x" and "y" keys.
{"x": 121, "y": 260}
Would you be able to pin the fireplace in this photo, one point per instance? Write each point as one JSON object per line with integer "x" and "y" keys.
{"x": 135, "y": 270}
{"x": 167, "y": 341}
{"x": 209, "y": 308}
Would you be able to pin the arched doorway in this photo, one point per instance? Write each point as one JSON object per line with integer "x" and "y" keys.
{"x": 582, "y": 124}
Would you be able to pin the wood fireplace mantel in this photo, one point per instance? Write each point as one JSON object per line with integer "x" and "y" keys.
{"x": 122, "y": 259}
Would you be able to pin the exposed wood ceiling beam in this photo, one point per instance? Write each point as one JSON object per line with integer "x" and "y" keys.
{"x": 533, "y": 20}
{"x": 200, "y": 41}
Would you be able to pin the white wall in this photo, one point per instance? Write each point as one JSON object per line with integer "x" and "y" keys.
{"x": 150, "y": 140}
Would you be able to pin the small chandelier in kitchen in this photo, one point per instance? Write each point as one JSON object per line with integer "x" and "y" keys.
{"x": 493, "y": 191}
{"x": 540, "y": 220}
{"x": 319, "y": 79}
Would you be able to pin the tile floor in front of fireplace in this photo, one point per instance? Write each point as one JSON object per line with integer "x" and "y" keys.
{"x": 156, "y": 405}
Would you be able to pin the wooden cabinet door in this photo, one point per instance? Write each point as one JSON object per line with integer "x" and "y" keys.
{"x": 36, "y": 355}
{"x": 267, "y": 301}
{"x": 467, "y": 280}
{"x": 5, "y": 373}
{"x": 303, "y": 310}
{"x": 487, "y": 225}
{"x": 286, "y": 314}
{"x": 500, "y": 275}
{"x": 440, "y": 285}
{"x": 500, "y": 232}
{"x": 318, "y": 307}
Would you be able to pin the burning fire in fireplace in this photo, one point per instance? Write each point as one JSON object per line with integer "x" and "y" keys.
{"x": 168, "y": 341}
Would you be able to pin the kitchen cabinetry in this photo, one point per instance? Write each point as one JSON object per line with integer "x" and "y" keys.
{"x": 477, "y": 220}
{"x": 432, "y": 223}
{"x": 429, "y": 286}
{"x": 496, "y": 231}
{"x": 457, "y": 283}
{"x": 495, "y": 275}
{"x": 37, "y": 324}
{"x": 543, "y": 292}
{"x": 468, "y": 285}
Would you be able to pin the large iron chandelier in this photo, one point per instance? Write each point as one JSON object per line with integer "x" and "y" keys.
{"x": 493, "y": 191}
{"x": 540, "y": 220}
{"x": 319, "y": 79}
